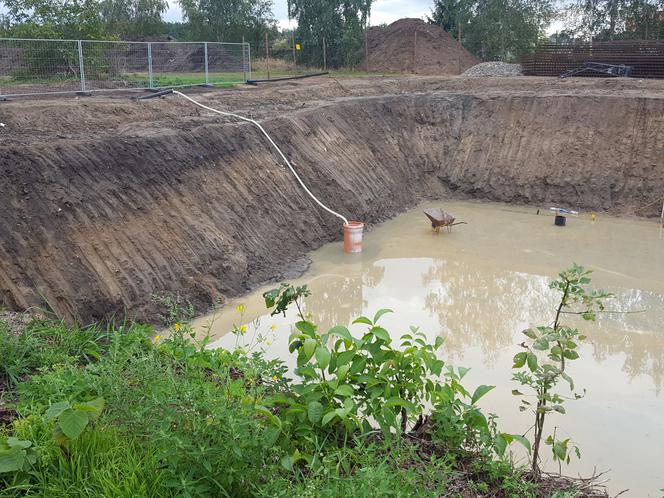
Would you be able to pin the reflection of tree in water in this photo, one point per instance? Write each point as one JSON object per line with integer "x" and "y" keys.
{"x": 487, "y": 309}
{"x": 633, "y": 334}
{"x": 480, "y": 308}
{"x": 341, "y": 300}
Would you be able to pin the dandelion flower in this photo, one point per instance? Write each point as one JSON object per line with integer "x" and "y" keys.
{"x": 275, "y": 378}
{"x": 243, "y": 329}
{"x": 269, "y": 343}
{"x": 178, "y": 327}
{"x": 240, "y": 308}
{"x": 273, "y": 327}
{"x": 156, "y": 339}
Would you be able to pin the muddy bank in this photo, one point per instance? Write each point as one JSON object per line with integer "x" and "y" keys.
{"x": 95, "y": 225}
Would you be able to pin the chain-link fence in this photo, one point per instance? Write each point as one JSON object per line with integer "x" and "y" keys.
{"x": 32, "y": 67}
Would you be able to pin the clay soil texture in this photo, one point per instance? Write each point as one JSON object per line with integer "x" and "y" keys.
{"x": 106, "y": 201}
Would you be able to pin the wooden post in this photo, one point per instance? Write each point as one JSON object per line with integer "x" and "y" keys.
{"x": 324, "y": 56}
{"x": 366, "y": 51}
{"x": 267, "y": 56}
{"x": 293, "y": 43}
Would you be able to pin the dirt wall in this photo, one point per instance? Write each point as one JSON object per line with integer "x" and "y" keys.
{"x": 96, "y": 226}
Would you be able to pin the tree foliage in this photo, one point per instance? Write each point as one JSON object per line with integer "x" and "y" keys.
{"x": 341, "y": 23}
{"x": 615, "y": 19}
{"x": 133, "y": 18}
{"x": 227, "y": 20}
{"x": 494, "y": 29}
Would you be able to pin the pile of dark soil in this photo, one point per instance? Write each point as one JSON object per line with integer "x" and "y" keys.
{"x": 414, "y": 46}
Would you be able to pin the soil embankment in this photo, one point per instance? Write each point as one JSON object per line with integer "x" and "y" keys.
{"x": 105, "y": 202}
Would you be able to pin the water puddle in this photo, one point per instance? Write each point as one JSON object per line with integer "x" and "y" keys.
{"x": 479, "y": 287}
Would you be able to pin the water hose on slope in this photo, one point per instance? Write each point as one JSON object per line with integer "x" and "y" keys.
{"x": 276, "y": 147}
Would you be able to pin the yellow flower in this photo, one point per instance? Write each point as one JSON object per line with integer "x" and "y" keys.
{"x": 273, "y": 327}
{"x": 275, "y": 378}
{"x": 240, "y": 308}
{"x": 178, "y": 327}
{"x": 269, "y": 343}
{"x": 156, "y": 339}
{"x": 243, "y": 329}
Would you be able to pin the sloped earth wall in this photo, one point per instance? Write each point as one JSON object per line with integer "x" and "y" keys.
{"x": 96, "y": 227}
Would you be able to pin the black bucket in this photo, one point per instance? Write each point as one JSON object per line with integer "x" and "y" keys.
{"x": 560, "y": 220}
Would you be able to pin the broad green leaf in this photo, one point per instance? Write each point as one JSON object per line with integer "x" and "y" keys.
{"x": 532, "y": 361}
{"x": 309, "y": 348}
{"x": 480, "y": 392}
{"x": 559, "y": 451}
{"x": 93, "y": 408}
{"x": 57, "y": 409}
{"x": 345, "y": 357}
{"x": 558, "y": 408}
{"x": 11, "y": 460}
{"x": 274, "y": 420}
{"x": 363, "y": 319}
{"x": 523, "y": 440}
{"x": 344, "y": 390}
{"x": 306, "y": 328}
{"x": 72, "y": 422}
{"x": 516, "y": 392}
{"x": 14, "y": 442}
{"x": 341, "y": 331}
{"x": 328, "y": 417}
{"x": 570, "y": 355}
{"x": 342, "y": 371}
{"x": 463, "y": 371}
{"x": 519, "y": 359}
{"x": 314, "y": 412}
{"x": 381, "y": 333}
{"x": 380, "y": 313}
{"x": 322, "y": 357}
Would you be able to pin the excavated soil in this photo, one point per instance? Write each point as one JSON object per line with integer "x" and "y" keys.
{"x": 414, "y": 46}
{"x": 106, "y": 201}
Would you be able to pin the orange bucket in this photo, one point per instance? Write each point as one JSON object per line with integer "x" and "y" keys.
{"x": 353, "y": 236}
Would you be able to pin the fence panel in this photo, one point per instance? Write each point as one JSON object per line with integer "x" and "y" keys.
{"x": 34, "y": 67}
{"x": 30, "y": 66}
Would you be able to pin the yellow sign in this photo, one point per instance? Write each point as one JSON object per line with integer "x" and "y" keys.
{"x": 297, "y": 46}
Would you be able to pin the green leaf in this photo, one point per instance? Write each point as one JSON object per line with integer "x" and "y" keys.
{"x": 344, "y": 390}
{"x": 570, "y": 355}
{"x": 559, "y": 451}
{"x": 341, "y": 331}
{"x": 480, "y": 392}
{"x": 524, "y": 441}
{"x": 463, "y": 371}
{"x": 328, "y": 417}
{"x": 93, "y": 408}
{"x": 519, "y": 359}
{"x": 322, "y": 357}
{"x": 72, "y": 422}
{"x": 380, "y": 313}
{"x": 363, "y": 319}
{"x": 516, "y": 392}
{"x": 381, "y": 333}
{"x": 17, "y": 443}
{"x": 558, "y": 408}
{"x": 11, "y": 460}
{"x": 57, "y": 409}
{"x": 532, "y": 361}
{"x": 309, "y": 348}
{"x": 306, "y": 328}
{"x": 314, "y": 412}
{"x": 342, "y": 371}
{"x": 532, "y": 333}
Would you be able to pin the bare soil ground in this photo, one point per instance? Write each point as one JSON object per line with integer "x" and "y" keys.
{"x": 108, "y": 200}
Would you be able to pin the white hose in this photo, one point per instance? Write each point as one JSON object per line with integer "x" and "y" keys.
{"x": 223, "y": 113}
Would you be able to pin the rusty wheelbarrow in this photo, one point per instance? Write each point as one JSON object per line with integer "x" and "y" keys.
{"x": 440, "y": 218}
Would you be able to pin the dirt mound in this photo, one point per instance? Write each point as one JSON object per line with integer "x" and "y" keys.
{"x": 414, "y": 46}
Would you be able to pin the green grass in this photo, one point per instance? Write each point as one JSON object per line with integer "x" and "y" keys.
{"x": 180, "y": 420}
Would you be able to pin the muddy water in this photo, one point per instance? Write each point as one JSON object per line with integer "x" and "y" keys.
{"x": 479, "y": 287}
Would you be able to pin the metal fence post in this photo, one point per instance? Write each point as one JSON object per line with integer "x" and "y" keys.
{"x": 150, "y": 65}
{"x": 207, "y": 78}
{"x": 249, "y": 59}
{"x": 81, "y": 67}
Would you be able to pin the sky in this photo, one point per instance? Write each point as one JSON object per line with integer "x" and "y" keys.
{"x": 382, "y": 11}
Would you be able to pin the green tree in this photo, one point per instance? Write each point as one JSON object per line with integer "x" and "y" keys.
{"x": 603, "y": 20}
{"x": 133, "y": 18}
{"x": 495, "y": 29}
{"x": 71, "y": 19}
{"x": 341, "y": 23}
{"x": 227, "y": 20}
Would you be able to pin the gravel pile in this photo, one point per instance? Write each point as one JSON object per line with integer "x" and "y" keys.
{"x": 493, "y": 69}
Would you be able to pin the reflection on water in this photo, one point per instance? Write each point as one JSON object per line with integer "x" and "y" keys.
{"x": 481, "y": 285}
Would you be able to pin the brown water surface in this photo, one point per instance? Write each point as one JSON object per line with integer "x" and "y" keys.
{"x": 479, "y": 287}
